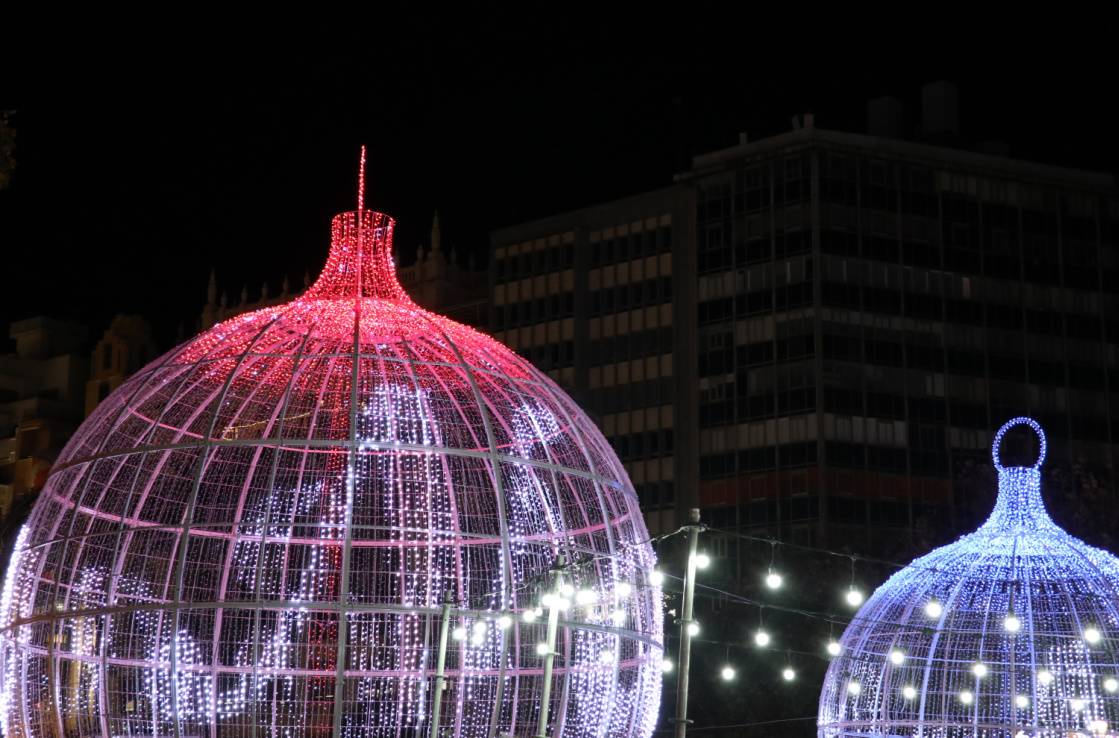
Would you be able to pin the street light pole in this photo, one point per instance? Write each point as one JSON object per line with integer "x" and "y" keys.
{"x": 693, "y": 528}
{"x": 440, "y": 666}
{"x": 550, "y": 655}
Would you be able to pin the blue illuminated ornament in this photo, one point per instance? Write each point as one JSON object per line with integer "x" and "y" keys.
{"x": 964, "y": 672}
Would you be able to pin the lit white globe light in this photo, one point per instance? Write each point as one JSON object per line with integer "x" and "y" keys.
{"x": 504, "y": 622}
{"x": 728, "y": 673}
{"x": 853, "y": 688}
{"x": 478, "y": 638}
{"x": 656, "y": 577}
{"x": 1099, "y": 727}
{"x": 666, "y": 666}
{"x": 933, "y": 609}
{"x": 1011, "y": 624}
{"x": 618, "y": 618}
{"x": 1092, "y": 635}
{"x": 1111, "y": 684}
{"x": 479, "y": 626}
{"x": 550, "y": 600}
{"x": 897, "y": 657}
{"x": 586, "y": 597}
{"x": 702, "y": 560}
{"x": 567, "y": 589}
{"x": 693, "y": 629}
{"x": 1045, "y": 677}
{"x": 908, "y": 692}
{"x": 1022, "y": 701}
{"x": 528, "y": 616}
{"x": 606, "y": 657}
{"x": 788, "y": 674}
{"x": 563, "y": 603}
{"x": 979, "y": 670}
{"x": 541, "y": 649}
{"x": 854, "y": 597}
{"x": 761, "y": 639}
{"x": 1076, "y": 704}
{"x": 967, "y": 697}
{"x": 834, "y": 649}
{"x": 773, "y": 580}
{"x": 459, "y": 633}
{"x": 623, "y": 589}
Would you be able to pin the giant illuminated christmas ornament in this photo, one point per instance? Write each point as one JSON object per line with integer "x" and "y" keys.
{"x": 258, "y": 534}
{"x": 1011, "y": 630}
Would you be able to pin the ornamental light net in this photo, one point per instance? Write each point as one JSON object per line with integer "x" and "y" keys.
{"x": 1010, "y": 631}
{"x": 258, "y": 533}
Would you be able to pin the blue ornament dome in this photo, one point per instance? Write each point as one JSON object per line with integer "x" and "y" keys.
{"x": 1012, "y": 630}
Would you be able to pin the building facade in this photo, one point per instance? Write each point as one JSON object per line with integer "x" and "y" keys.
{"x": 42, "y": 391}
{"x": 840, "y": 322}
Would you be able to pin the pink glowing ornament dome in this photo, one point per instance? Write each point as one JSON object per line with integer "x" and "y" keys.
{"x": 1011, "y": 631}
{"x": 256, "y": 535}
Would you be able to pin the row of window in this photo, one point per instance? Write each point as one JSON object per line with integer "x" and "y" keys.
{"x": 780, "y": 299}
{"x": 632, "y": 246}
{"x": 530, "y": 312}
{"x": 647, "y": 444}
{"x": 764, "y": 458}
{"x": 629, "y": 296}
{"x": 650, "y": 342}
{"x": 534, "y": 263}
{"x": 647, "y": 393}
{"x": 551, "y": 355}
{"x": 720, "y": 256}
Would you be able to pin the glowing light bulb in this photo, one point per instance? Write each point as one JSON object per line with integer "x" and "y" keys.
{"x": 979, "y": 670}
{"x": 933, "y": 609}
{"x": 656, "y": 577}
{"x": 479, "y": 627}
{"x": 567, "y": 589}
{"x": 1098, "y": 726}
{"x": 550, "y": 600}
{"x": 562, "y": 604}
{"x": 773, "y": 580}
{"x": 586, "y": 597}
{"x": 528, "y": 616}
{"x": 908, "y": 692}
{"x": 693, "y": 628}
{"x": 542, "y": 649}
{"x": 853, "y": 688}
{"x": 1022, "y": 701}
{"x": 702, "y": 560}
{"x": 606, "y": 657}
{"x": 1045, "y": 677}
{"x": 834, "y": 649}
{"x": 1011, "y": 624}
{"x": 854, "y": 597}
{"x": 728, "y": 673}
{"x": 618, "y": 618}
{"x": 1111, "y": 684}
{"x": 761, "y": 638}
{"x": 478, "y": 638}
{"x": 504, "y": 622}
{"x": 788, "y": 674}
{"x": 666, "y": 666}
{"x": 897, "y": 657}
{"x": 623, "y": 589}
{"x": 967, "y": 697}
{"x": 1076, "y": 704}
{"x": 459, "y": 633}
{"x": 1092, "y": 635}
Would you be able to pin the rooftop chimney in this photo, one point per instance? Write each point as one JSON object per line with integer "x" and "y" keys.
{"x": 940, "y": 110}
{"x": 884, "y": 118}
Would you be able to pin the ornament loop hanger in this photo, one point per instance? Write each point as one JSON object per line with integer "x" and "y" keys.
{"x": 1022, "y": 420}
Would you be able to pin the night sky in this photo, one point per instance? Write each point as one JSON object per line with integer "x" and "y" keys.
{"x": 142, "y": 164}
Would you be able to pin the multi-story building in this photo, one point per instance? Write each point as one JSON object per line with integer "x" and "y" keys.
{"x": 42, "y": 389}
{"x": 126, "y": 346}
{"x": 829, "y": 324}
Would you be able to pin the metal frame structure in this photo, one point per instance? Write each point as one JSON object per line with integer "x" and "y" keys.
{"x": 259, "y": 535}
{"x": 1012, "y": 630}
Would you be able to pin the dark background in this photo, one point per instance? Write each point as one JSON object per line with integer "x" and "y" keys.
{"x": 148, "y": 157}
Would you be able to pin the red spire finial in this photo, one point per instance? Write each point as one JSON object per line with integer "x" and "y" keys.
{"x": 361, "y": 182}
